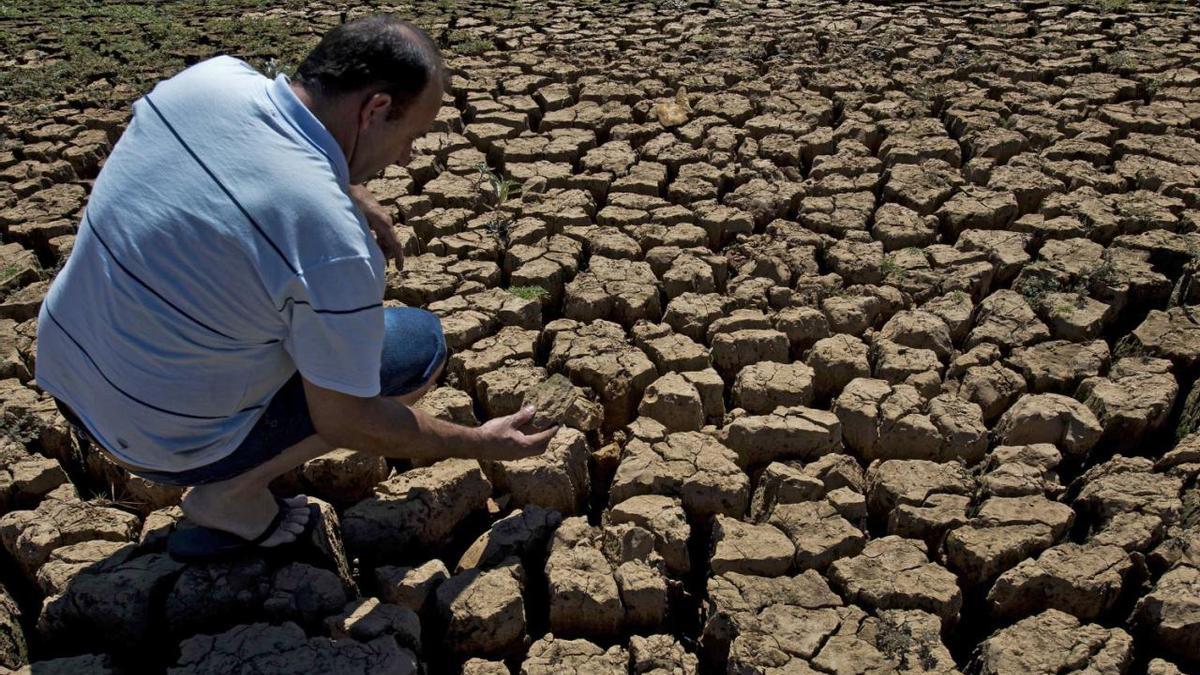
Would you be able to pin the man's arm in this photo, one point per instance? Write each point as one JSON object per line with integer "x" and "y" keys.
{"x": 387, "y": 427}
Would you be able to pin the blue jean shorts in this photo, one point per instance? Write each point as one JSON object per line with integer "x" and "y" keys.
{"x": 413, "y": 350}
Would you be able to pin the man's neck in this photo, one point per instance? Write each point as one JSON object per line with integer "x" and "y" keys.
{"x": 338, "y": 123}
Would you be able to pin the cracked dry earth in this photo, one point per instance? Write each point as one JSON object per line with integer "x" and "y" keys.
{"x": 875, "y": 328}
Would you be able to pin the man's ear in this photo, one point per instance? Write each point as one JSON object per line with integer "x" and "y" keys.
{"x": 375, "y": 109}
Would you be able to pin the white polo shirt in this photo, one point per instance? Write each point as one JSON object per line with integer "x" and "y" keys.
{"x": 219, "y": 253}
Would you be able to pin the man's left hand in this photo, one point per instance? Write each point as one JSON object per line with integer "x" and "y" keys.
{"x": 381, "y": 224}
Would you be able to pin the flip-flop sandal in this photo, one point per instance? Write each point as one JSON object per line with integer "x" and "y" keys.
{"x": 206, "y": 544}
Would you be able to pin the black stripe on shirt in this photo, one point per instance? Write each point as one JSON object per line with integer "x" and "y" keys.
{"x": 220, "y": 185}
{"x": 329, "y": 311}
{"x": 127, "y": 394}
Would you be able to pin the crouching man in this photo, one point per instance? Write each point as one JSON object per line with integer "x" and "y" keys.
{"x": 220, "y": 320}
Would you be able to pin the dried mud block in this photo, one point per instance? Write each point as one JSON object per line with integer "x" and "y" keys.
{"x": 660, "y": 655}
{"x": 598, "y": 356}
{"x": 842, "y": 639}
{"x": 818, "y": 533}
{"x": 551, "y": 655}
{"x": 509, "y": 345}
{"x": 1021, "y": 470}
{"x": 692, "y": 466}
{"x": 735, "y": 602}
{"x": 1134, "y": 400}
{"x": 623, "y": 291}
{"x": 1005, "y": 531}
{"x": 520, "y": 534}
{"x": 555, "y": 401}
{"x": 410, "y": 587}
{"x": 836, "y": 361}
{"x": 1171, "y": 612}
{"x": 761, "y": 387}
{"x": 1049, "y": 418}
{"x": 1168, "y": 335}
{"x": 1059, "y": 366}
{"x": 785, "y": 433}
{"x": 585, "y": 598}
{"x": 674, "y": 402}
{"x": 761, "y": 550}
{"x": 368, "y": 618}
{"x": 450, "y": 404}
{"x": 1127, "y": 503}
{"x": 1052, "y": 642}
{"x": 1006, "y": 319}
{"x": 1079, "y": 579}
{"x": 278, "y": 650}
{"x": 421, "y": 507}
{"x": 344, "y": 476}
{"x": 26, "y": 478}
{"x": 484, "y": 610}
{"x": 895, "y": 573}
{"x": 59, "y": 520}
{"x": 210, "y": 598}
{"x": 479, "y": 666}
{"x": 670, "y": 351}
{"x": 881, "y": 421}
{"x": 731, "y": 352}
{"x": 663, "y": 517}
{"x": 557, "y": 479}
{"x": 920, "y": 499}
{"x": 111, "y": 604}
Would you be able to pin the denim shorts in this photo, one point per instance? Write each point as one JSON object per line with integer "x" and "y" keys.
{"x": 413, "y": 350}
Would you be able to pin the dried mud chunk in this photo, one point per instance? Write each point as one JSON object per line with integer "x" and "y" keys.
{"x": 1171, "y": 611}
{"x": 1073, "y": 317}
{"x": 764, "y": 200}
{"x": 731, "y": 352}
{"x": 556, "y": 479}
{"x": 619, "y": 290}
{"x": 818, "y": 532}
{"x": 1054, "y": 642}
{"x": 59, "y": 520}
{"x": 919, "y": 329}
{"x": 668, "y": 350}
{"x": 584, "y": 596}
{"x": 1049, "y": 418}
{"x": 551, "y": 655}
{"x": 26, "y": 478}
{"x": 785, "y": 433}
{"x": 478, "y": 666}
{"x": 734, "y": 602}
{"x": 921, "y": 187}
{"x": 509, "y": 345}
{"x": 1170, "y": 335}
{"x": 993, "y": 388}
{"x": 745, "y": 548}
{"x": 421, "y": 507}
{"x": 674, "y": 402}
{"x": 898, "y": 227}
{"x": 519, "y": 534}
{"x": 276, "y": 650}
{"x": 14, "y": 652}
{"x": 410, "y": 587}
{"x": 836, "y": 361}
{"x": 783, "y": 483}
{"x": 551, "y": 400}
{"x": 1120, "y": 486}
{"x": 109, "y": 604}
{"x": 895, "y": 573}
{"x": 1133, "y": 401}
{"x": 1082, "y": 580}
{"x": 660, "y": 655}
{"x": 344, "y": 476}
{"x": 695, "y": 467}
{"x": 837, "y": 214}
{"x": 599, "y": 356}
{"x": 484, "y": 611}
{"x": 761, "y": 387}
{"x": 896, "y": 482}
{"x": 1005, "y": 318}
{"x": 1006, "y": 531}
{"x": 662, "y": 516}
{"x": 1059, "y": 366}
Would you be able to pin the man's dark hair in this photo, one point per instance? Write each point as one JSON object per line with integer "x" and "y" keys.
{"x": 380, "y": 51}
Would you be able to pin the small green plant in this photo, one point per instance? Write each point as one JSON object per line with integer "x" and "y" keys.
{"x": 502, "y": 189}
{"x": 958, "y": 296}
{"x": 891, "y": 270}
{"x": 1035, "y": 288}
{"x": 528, "y": 292}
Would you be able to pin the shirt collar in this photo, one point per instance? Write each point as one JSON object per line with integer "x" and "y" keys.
{"x": 302, "y": 119}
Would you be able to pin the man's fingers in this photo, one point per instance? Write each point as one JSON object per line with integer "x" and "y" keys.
{"x": 543, "y": 437}
{"x": 521, "y": 417}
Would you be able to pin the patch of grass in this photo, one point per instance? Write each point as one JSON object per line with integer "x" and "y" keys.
{"x": 528, "y": 292}
{"x": 503, "y": 189}
{"x": 891, "y": 270}
{"x": 1035, "y": 288}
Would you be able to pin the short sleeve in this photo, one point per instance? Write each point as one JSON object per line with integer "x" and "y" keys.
{"x": 335, "y": 325}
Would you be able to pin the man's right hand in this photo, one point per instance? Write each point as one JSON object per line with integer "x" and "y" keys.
{"x": 512, "y": 437}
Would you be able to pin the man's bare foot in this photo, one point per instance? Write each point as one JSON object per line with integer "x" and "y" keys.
{"x": 246, "y": 513}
